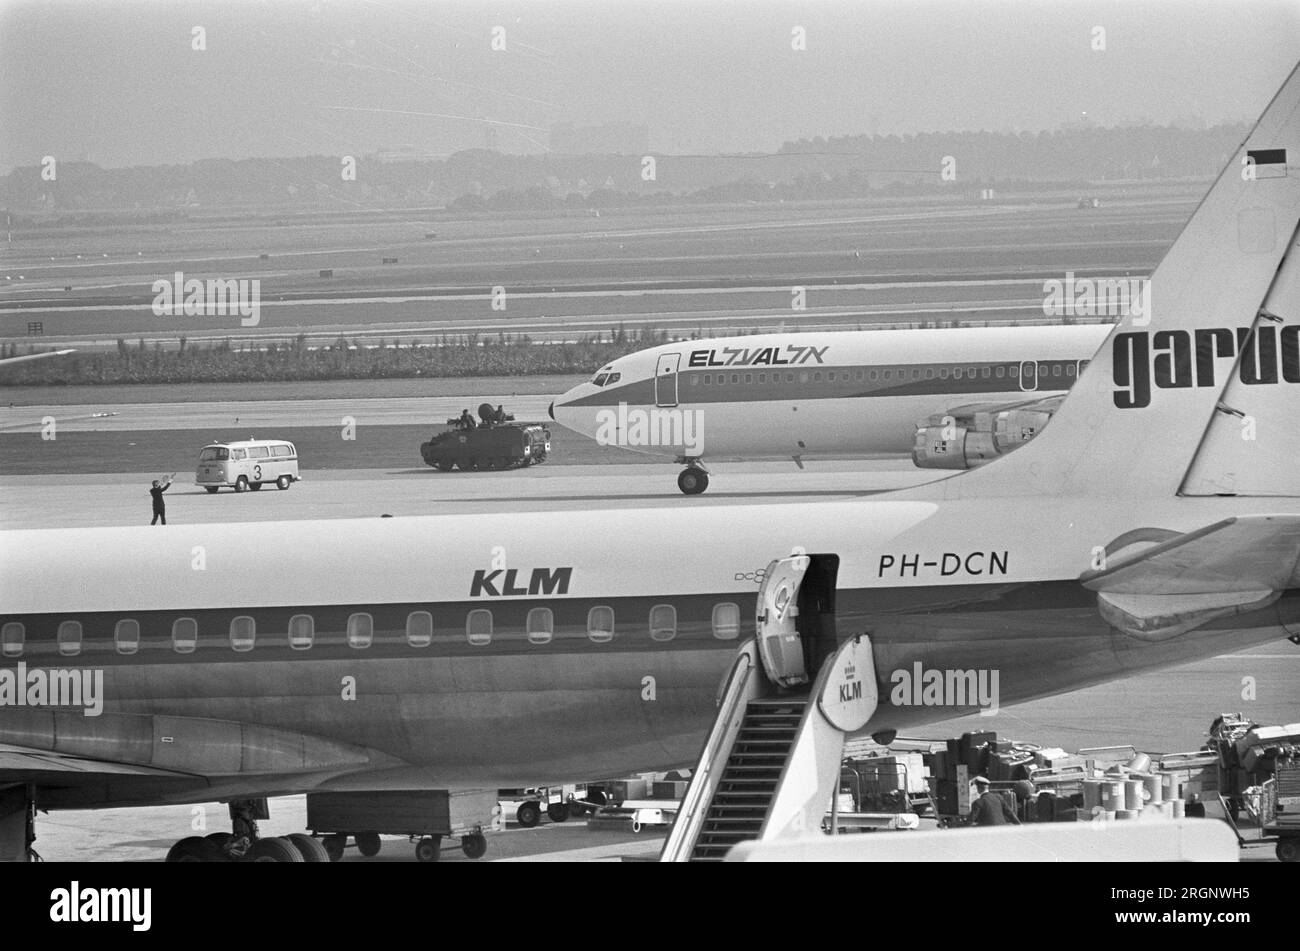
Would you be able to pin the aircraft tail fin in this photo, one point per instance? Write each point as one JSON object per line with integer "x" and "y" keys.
{"x": 1197, "y": 390}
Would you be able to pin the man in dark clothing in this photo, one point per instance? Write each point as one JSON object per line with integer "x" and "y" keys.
{"x": 159, "y": 506}
{"x": 990, "y": 809}
{"x": 466, "y": 420}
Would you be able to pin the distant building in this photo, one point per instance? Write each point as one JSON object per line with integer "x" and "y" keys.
{"x": 611, "y": 138}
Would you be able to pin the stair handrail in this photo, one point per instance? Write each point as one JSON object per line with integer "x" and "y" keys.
{"x": 699, "y": 791}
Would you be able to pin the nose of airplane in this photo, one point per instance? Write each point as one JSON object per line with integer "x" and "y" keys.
{"x": 550, "y": 410}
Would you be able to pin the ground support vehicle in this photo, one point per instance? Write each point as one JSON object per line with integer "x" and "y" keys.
{"x": 425, "y": 816}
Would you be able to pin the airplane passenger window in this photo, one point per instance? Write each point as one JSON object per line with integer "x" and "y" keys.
{"x": 957, "y": 373}
{"x": 970, "y": 372}
{"x": 735, "y": 378}
{"x": 708, "y": 379}
{"x": 803, "y": 377}
{"x": 11, "y": 639}
{"x": 302, "y": 631}
{"x": 540, "y": 626}
{"x": 419, "y": 629}
{"x": 663, "y": 622}
{"x": 860, "y": 376}
{"x": 695, "y": 379}
{"x": 874, "y": 376}
{"x": 789, "y": 378}
{"x": 943, "y": 373}
{"x": 361, "y": 630}
{"x": 984, "y": 373}
{"x": 817, "y": 377}
{"x": 478, "y": 627}
{"x": 830, "y": 377}
{"x": 1000, "y": 372}
{"x": 916, "y": 374}
{"x": 126, "y": 636}
{"x": 886, "y": 374}
{"x": 1013, "y": 372}
{"x": 726, "y": 621}
{"x": 762, "y": 378}
{"x": 749, "y": 378}
{"x": 929, "y": 373}
{"x": 1056, "y": 369}
{"x": 243, "y": 633}
{"x": 600, "y": 624}
{"x": 1069, "y": 369}
{"x": 69, "y": 638}
{"x": 185, "y": 635}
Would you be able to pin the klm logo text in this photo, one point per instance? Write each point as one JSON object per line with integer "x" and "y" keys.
{"x": 504, "y": 582}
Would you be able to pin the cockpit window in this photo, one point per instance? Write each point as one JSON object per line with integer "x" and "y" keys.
{"x": 613, "y": 378}
{"x": 605, "y": 378}
{"x": 600, "y": 379}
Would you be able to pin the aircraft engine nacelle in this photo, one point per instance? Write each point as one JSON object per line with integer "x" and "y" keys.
{"x": 952, "y": 447}
{"x": 983, "y": 438}
{"x": 1015, "y": 427}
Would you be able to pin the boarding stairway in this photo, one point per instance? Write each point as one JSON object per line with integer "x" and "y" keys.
{"x": 772, "y": 759}
{"x": 750, "y": 776}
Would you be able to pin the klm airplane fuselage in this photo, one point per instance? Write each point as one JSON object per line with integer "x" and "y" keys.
{"x": 409, "y": 654}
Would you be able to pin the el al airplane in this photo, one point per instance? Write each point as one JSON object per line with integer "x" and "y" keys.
{"x": 803, "y": 395}
{"x": 1154, "y": 522}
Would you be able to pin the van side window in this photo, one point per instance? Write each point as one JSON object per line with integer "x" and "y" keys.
{"x": 258, "y": 452}
{"x": 126, "y": 636}
{"x": 663, "y": 622}
{"x": 236, "y": 454}
{"x": 600, "y": 624}
{"x": 243, "y": 633}
{"x": 185, "y": 635}
{"x": 419, "y": 629}
{"x": 11, "y": 639}
{"x": 540, "y": 626}
{"x": 478, "y": 627}
{"x": 69, "y": 638}
{"x": 361, "y": 630}
{"x": 726, "y": 621}
{"x": 285, "y": 451}
{"x": 302, "y": 631}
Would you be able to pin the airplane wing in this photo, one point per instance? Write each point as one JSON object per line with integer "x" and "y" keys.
{"x": 966, "y": 413}
{"x": 84, "y": 761}
{"x": 35, "y": 356}
{"x": 1158, "y": 589}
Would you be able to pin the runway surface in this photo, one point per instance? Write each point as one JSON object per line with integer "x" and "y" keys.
{"x": 73, "y": 501}
{"x": 692, "y": 269}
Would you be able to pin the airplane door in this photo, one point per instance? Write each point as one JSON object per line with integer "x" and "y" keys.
{"x": 779, "y": 644}
{"x": 666, "y": 379}
{"x": 1028, "y": 375}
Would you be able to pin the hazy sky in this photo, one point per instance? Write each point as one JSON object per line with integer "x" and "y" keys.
{"x": 117, "y": 82}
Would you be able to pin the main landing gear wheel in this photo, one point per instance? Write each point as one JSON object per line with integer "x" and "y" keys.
{"x": 334, "y": 845}
{"x": 429, "y": 848}
{"x": 558, "y": 811}
{"x": 274, "y": 849}
{"x": 446, "y": 466}
{"x": 368, "y": 843}
{"x": 309, "y": 848}
{"x": 692, "y": 481}
{"x": 193, "y": 849}
{"x": 474, "y": 846}
{"x": 528, "y": 815}
{"x": 283, "y": 482}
